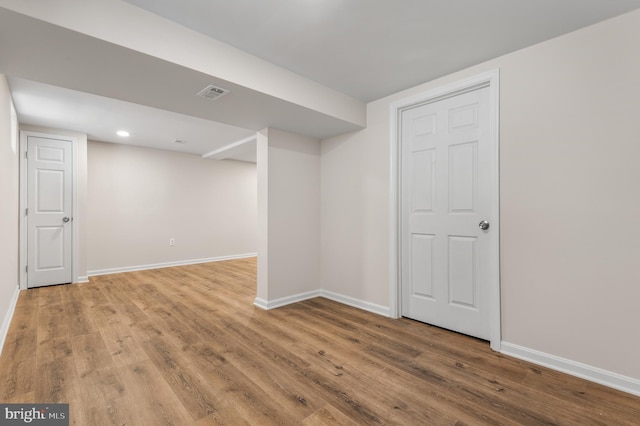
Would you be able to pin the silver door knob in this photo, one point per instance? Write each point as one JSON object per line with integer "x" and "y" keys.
{"x": 484, "y": 225}
{"x": 66, "y": 219}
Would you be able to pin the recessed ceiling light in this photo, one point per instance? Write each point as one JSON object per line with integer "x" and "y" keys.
{"x": 122, "y": 133}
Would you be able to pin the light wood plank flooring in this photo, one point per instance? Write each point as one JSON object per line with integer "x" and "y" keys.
{"x": 185, "y": 346}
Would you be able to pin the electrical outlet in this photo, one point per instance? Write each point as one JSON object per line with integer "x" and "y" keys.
{"x": 172, "y": 241}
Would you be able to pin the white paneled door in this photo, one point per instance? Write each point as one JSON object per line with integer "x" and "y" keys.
{"x": 448, "y": 161}
{"x": 49, "y": 212}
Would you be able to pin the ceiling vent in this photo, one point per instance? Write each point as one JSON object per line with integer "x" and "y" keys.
{"x": 212, "y": 92}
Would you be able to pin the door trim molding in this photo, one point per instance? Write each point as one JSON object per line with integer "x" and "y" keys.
{"x": 24, "y": 134}
{"x": 490, "y": 79}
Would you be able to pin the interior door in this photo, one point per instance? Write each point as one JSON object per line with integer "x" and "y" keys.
{"x": 446, "y": 212}
{"x": 49, "y": 208}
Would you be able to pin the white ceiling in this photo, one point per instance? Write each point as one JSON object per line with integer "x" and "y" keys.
{"x": 364, "y": 48}
{"x": 100, "y": 118}
{"x": 372, "y": 48}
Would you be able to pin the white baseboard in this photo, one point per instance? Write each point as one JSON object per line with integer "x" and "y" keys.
{"x": 167, "y": 264}
{"x": 283, "y": 301}
{"x": 574, "y": 368}
{"x": 356, "y": 303}
{"x": 345, "y": 300}
{"x": 261, "y": 303}
{"x": 6, "y": 322}
{"x": 83, "y": 279}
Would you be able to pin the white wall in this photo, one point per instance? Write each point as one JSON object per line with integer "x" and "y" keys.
{"x": 355, "y": 205}
{"x": 569, "y": 197}
{"x": 139, "y": 198}
{"x": 9, "y": 205}
{"x": 289, "y": 215}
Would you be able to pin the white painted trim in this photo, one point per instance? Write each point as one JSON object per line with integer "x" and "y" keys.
{"x": 6, "y": 322}
{"x": 261, "y": 303}
{"x": 491, "y": 78}
{"x": 22, "y": 220}
{"x": 340, "y": 298}
{"x": 574, "y": 368}
{"x": 75, "y": 232}
{"x": 283, "y": 301}
{"x": 218, "y": 154}
{"x": 356, "y": 303}
{"x": 167, "y": 264}
{"x": 494, "y": 297}
{"x": 83, "y": 279}
{"x": 22, "y": 223}
{"x": 395, "y": 309}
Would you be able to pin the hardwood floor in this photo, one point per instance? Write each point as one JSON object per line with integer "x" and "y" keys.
{"x": 185, "y": 346}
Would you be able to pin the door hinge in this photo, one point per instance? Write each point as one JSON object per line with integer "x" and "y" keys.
{"x": 26, "y": 154}
{"x": 26, "y": 268}
{"x": 26, "y": 212}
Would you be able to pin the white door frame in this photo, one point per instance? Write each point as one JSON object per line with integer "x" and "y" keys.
{"x": 24, "y": 134}
{"x": 491, "y": 79}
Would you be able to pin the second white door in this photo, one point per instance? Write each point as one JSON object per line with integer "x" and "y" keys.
{"x": 50, "y": 204}
{"x": 446, "y": 199}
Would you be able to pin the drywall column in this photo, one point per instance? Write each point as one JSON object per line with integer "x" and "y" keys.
{"x": 9, "y": 184}
{"x": 262, "y": 163}
{"x": 288, "y": 217}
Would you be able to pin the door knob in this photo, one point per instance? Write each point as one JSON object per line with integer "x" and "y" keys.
{"x": 484, "y": 225}
{"x": 66, "y": 219}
